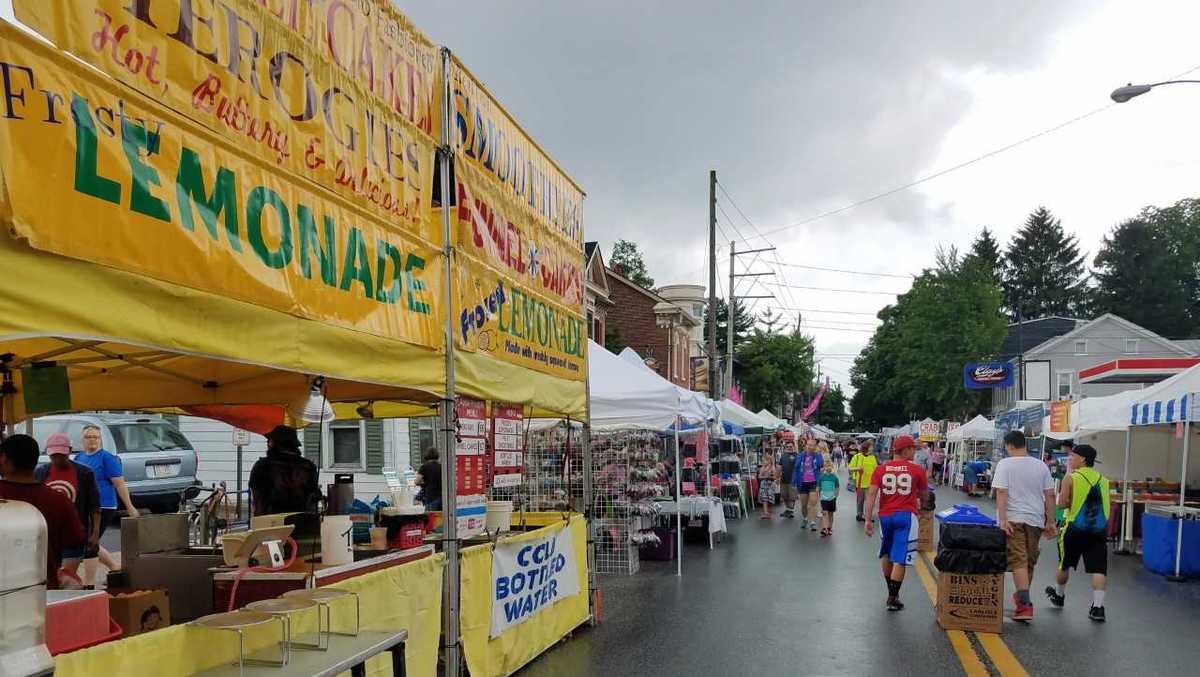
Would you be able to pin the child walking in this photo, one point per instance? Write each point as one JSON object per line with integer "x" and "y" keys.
{"x": 828, "y": 484}
{"x": 768, "y": 484}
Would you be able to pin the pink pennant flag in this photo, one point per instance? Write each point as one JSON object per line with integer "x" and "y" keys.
{"x": 735, "y": 395}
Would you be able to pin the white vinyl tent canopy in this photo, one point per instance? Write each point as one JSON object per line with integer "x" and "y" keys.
{"x": 978, "y": 428}
{"x": 695, "y": 407}
{"x": 626, "y": 396}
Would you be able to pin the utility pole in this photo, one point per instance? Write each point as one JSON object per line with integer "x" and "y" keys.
{"x": 728, "y": 380}
{"x": 712, "y": 284}
{"x": 730, "y": 312}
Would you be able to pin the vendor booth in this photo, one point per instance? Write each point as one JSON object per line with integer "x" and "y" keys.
{"x": 967, "y": 442}
{"x": 161, "y": 257}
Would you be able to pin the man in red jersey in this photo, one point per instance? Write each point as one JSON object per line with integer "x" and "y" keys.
{"x": 903, "y": 486}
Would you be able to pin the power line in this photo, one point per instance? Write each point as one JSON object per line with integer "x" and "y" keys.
{"x": 848, "y": 272}
{"x": 961, "y": 165}
{"x": 833, "y": 312}
{"x": 847, "y": 291}
{"x": 775, "y": 253}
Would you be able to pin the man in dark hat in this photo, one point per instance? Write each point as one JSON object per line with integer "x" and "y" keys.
{"x": 283, "y": 480}
{"x": 1084, "y": 494}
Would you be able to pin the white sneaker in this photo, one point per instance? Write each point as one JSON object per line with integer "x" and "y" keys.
{"x": 812, "y": 526}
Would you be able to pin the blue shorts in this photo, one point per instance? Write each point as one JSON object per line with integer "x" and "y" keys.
{"x": 898, "y": 536}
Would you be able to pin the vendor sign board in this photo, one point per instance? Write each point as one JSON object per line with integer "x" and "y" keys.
{"x": 167, "y": 197}
{"x": 931, "y": 431}
{"x": 1060, "y": 416}
{"x": 529, "y": 576}
{"x": 985, "y": 375}
{"x": 518, "y": 228}
{"x": 342, "y": 94}
{"x": 508, "y": 445}
{"x": 470, "y": 449}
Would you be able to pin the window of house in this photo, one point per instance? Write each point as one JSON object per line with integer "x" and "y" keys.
{"x": 591, "y": 327}
{"x": 1081, "y": 347}
{"x": 1064, "y": 385}
{"x": 347, "y": 444}
{"x": 426, "y": 434}
{"x": 1131, "y": 346}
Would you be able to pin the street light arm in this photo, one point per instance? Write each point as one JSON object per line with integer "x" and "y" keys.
{"x": 1123, "y": 94}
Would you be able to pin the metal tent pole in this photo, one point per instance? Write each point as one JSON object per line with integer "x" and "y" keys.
{"x": 678, "y": 504}
{"x": 450, "y": 588}
{"x": 1127, "y": 495}
{"x": 1187, "y": 439}
{"x": 588, "y": 494}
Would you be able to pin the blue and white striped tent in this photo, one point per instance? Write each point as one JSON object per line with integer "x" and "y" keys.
{"x": 1172, "y": 401}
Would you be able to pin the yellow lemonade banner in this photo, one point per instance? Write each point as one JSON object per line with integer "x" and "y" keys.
{"x": 91, "y": 169}
{"x": 343, "y": 92}
{"x": 518, "y": 232}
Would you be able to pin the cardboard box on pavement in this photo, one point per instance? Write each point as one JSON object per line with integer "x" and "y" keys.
{"x": 139, "y": 611}
{"x": 925, "y": 532}
{"x": 971, "y": 602}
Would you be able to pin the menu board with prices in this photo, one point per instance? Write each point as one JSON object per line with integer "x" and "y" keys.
{"x": 470, "y": 448}
{"x": 508, "y": 445}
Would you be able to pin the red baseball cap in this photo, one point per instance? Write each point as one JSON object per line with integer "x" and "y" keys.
{"x": 58, "y": 443}
{"x": 901, "y": 443}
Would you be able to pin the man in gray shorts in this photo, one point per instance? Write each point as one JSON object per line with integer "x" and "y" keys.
{"x": 787, "y": 461}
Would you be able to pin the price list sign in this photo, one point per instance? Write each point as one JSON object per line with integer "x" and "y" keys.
{"x": 470, "y": 449}
{"x": 508, "y": 445}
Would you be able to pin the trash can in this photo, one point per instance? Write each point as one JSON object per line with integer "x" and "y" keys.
{"x": 964, "y": 513}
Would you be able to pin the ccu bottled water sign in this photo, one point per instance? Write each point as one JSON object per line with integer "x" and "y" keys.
{"x": 530, "y": 576}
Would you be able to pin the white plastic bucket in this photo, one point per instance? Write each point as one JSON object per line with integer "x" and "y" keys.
{"x": 499, "y": 515}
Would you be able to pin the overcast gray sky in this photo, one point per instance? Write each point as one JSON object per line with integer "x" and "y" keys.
{"x": 804, "y": 107}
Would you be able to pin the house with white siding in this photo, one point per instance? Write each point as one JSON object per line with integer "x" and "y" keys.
{"x": 365, "y": 448}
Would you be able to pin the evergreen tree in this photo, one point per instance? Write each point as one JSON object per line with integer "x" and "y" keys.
{"x": 743, "y": 322}
{"x": 1146, "y": 270}
{"x": 1043, "y": 271}
{"x": 985, "y": 253}
{"x": 627, "y": 260}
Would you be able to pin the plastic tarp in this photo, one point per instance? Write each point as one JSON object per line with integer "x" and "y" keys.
{"x": 978, "y": 428}
{"x": 735, "y": 413}
{"x": 1167, "y": 402}
{"x": 695, "y": 406}
{"x": 625, "y": 395}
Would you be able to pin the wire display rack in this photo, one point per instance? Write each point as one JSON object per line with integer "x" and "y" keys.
{"x": 627, "y": 475}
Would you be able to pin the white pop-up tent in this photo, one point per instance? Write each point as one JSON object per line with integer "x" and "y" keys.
{"x": 625, "y": 396}
{"x": 968, "y": 435}
{"x": 695, "y": 407}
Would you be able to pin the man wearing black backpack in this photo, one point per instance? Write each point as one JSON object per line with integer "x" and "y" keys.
{"x": 1084, "y": 494}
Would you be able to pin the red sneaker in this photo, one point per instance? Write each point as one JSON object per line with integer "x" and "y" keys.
{"x": 1022, "y": 612}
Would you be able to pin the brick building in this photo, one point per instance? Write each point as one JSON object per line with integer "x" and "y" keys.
{"x": 653, "y": 326}
{"x": 596, "y": 287}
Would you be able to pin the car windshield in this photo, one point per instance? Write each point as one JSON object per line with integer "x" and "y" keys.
{"x": 136, "y": 437}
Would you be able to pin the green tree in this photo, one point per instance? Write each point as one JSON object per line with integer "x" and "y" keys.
{"x": 985, "y": 253}
{"x": 743, "y": 323}
{"x": 771, "y": 366}
{"x": 1043, "y": 271}
{"x": 831, "y": 412}
{"x": 1146, "y": 270}
{"x": 913, "y": 363}
{"x": 771, "y": 321}
{"x": 613, "y": 341}
{"x": 627, "y": 260}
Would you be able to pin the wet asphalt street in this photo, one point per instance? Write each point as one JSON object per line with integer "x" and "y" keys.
{"x": 774, "y": 600}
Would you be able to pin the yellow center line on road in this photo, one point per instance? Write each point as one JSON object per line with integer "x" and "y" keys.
{"x": 997, "y": 651}
{"x": 972, "y": 666}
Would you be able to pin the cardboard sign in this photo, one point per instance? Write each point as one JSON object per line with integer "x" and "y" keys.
{"x": 931, "y": 431}
{"x": 971, "y": 602}
{"x": 925, "y": 532}
{"x": 530, "y": 575}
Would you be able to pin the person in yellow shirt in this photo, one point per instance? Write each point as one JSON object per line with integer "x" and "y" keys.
{"x": 862, "y": 467}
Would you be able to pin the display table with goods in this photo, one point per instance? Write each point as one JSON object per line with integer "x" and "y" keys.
{"x": 703, "y": 515}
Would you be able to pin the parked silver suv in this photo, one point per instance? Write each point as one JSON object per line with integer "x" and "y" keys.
{"x": 159, "y": 462}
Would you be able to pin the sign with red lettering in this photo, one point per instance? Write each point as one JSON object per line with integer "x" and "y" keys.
{"x": 470, "y": 448}
{"x": 508, "y": 445}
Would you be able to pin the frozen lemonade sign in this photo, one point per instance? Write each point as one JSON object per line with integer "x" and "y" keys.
{"x": 518, "y": 224}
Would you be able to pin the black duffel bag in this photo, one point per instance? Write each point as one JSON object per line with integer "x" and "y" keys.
{"x": 956, "y": 561}
{"x": 979, "y": 537}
